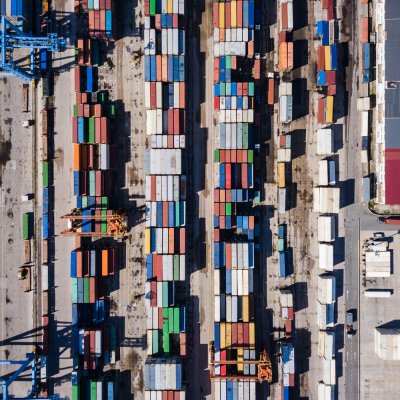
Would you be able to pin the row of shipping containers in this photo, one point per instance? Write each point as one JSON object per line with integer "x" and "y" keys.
{"x": 92, "y": 265}
{"x": 235, "y": 223}
{"x": 327, "y": 73}
{"x": 165, "y": 228}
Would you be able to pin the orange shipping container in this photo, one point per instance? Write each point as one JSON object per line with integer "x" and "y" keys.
{"x": 233, "y": 62}
{"x": 222, "y": 35}
{"x": 364, "y": 30}
{"x": 159, "y": 68}
{"x": 283, "y": 57}
{"x": 164, "y": 68}
{"x": 250, "y": 49}
{"x": 233, "y": 14}
{"x": 216, "y": 70}
{"x": 290, "y": 59}
{"x": 171, "y": 240}
{"x": 182, "y": 249}
{"x": 77, "y": 157}
{"x": 104, "y": 262}
{"x": 284, "y": 16}
{"x": 228, "y": 256}
{"x": 271, "y": 91}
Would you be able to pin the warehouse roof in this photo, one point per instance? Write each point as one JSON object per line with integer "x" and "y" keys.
{"x": 378, "y": 263}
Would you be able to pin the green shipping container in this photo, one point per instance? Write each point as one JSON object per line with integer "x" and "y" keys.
{"x": 91, "y": 130}
{"x": 92, "y": 183}
{"x": 228, "y": 208}
{"x": 45, "y": 173}
{"x": 165, "y": 294}
{"x": 155, "y": 341}
{"x": 250, "y": 156}
{"x": 104, "y": 201}
{"x": 111, "y": 111}
{"x": 245, "y": 139}
{"x": 86, "y": 290}
{"x": 93, "y": 390}
{"x": 74, "y": 290}
{"x": 176, "y": 320}
{"x": 75, "y": 110}
{"x": 152, "y": 7}
{"x": 251, "y": 88}
{"x": 216, "y": 156}
{"x": 27, "y": 226}
{"x": 75, "y": 392}
{"x": 228, "y": 62}
{"x": 171, "y": 320}
{"x": 104, "y": 221}
{"x": 176, "y": 267}
{"x": 222, "y": 89}
{"x": 85, "y": 201}
{"x": 257, "y": 197}
{"x": 177, "y": 214}
{"x": 166, "y": 341}
{"x": 102, "y": 97}
{"x": 228, "y": 89}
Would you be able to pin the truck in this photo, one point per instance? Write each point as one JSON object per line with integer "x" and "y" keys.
{"x": 349, "y": 324}
{"x": 389, "y": 220}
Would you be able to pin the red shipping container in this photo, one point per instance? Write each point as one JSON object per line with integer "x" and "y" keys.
{"x": 170, "y": 395}
{"x": 79, "y": 266}
{"x": 228, "y": 177}
{"x": 234, "y": 154}
{"x": 221, "y": 156}
{"x": 321, "y": 59}
{"x": 74, "y": 130}
{"x": 215, "y": 15}
{"x": 228, "y": 255}
{"x": 86, "y": 97}
{"x": 153, "y": 188}
{"x": 161, "y": 68}
{"x": 97, "y": 130}
{"x": 282, "y": 37}
{"x": 97, "y": 23}
{"x": 321, "y": 111}
{"x": 77, "y": 73}
{"x": 240, "y": 333}
{"x": 222, "y": 221}
{"x": 153, "y": 97}
{"x": 176, "y": 122}
{"x": 240, "y": 89}
{"x": 325, "y": 4}
{"x": 330, "y": 14}
{"x": 153, "y": 294}
{"x": 164, "y": 395}
{"x": 80, "y": 110}
{"x": 171, "y": 239}
{"x": 102, "y": 4}
{"x": 182, "y": 241}
{"x": 91, "y": 23}
{"x": 223, "y": 366}
{"x": 157, "y": 21}
{"x": 216, "y": 103}
{"x": 175, "y": 21}
{"x": 216, "y": 71}
{"x": 251, "y": 222}
{"x": 78, "y": 97}
{"x": 244, "y": 176}
{"x": 227, "y": 15}
{"x": 245, "y": 88}
{"x": 284, "y": 16}
{"x": 216, "y": 195}
{"x": 98, "y": 111}
{"x": 216, "y": 235}
{"x": 331, "y": 90}
{"x": 92, "y": 289}
{"x": 98, "y": 183}
{"x": 216, "y": 209}
{"x": 108, "y": 4}
{"x": 104, "y": 130}
{"x": 86, "y": 110}
{"x": 331, "y": 77}
{"x": 170, "y": 141}
{"x": 228, "y": 196}
{"x": 221, "y": 208}
{"x": 246, "y": 334}
{"x": 146, "y": 7}
{"x": 239, "y": 13}
{"x": 234, "y": 334}
{"x": 181, "y": 94}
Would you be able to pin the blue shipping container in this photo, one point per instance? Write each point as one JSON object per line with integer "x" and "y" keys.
{"x": 217, "y": 339}
{"x": 216, "y": 256}
{"x": 334, "y": 63}
{"x": 43, "y": 60}
{"x": 110, "y": 391}
{"x": 153, "y": 69}
{"x": 109, "y": 23}
{"x": 367, "y": 56}
{"x": 73, "y": 264}
{"x": 149, "y": 266}
{"x": 251, "y": 13}
{"x": 325, "y": 34}
{"x": 170, "y": 69}
{"x": 147, "y": 68}
{"x": 321, "y": 78}
{"x": 181, "y": 68}
{"x": 46, "y": 200}
{"x": 176, "y": 68}
{"x": 283, "y": 264}
{"x": 45, "y": 226}
{"x": 89, "y": 79}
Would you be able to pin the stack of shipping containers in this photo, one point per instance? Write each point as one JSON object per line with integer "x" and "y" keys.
{"x": 285, "y": 66}
{"x": 236, "y": 225}
{"x": 92, "y": 263}
{"x": 327, "y": 71}
{"x": 165, "y": 231}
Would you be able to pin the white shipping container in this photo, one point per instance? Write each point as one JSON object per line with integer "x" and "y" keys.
{"x": 323, "y": 173}
{"x": 326, "y": 315}
{"x": 234, "y": 282}
{"x": 175, "y": 42}
{"x": 290, "y": 16}
{"x": 234, "y": 309}
{"x": 245, "y": 273}
{"x": 326, "y": 392}
{"x": 239, "y": 282}
{"x": 364, "y": 123}
{"x": 182, "y": 267}
{"x": 149, "y": 342}
{"x": 97, "y": 343}
{"x": 324, "y": 142}
{"x": 182, "y": 7}
{"x": 329, "y": 372}
{"x": 216, "y": 282}
{"x": 154, "y": 311}
{"x": 326, "y": 228}
{"x": 325, "y": 256}
{"x": 228, "y": 308}
{"x": 164, "y": 41}
{"x": 217, "y": 307}
{"x": 326, "y": 289}
{"x": 159, "y": 294}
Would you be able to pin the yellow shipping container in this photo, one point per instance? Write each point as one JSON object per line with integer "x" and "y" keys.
{"x": 228, "y": 335}
{"x": 281, "y": 175}
{"x": 252, "y": 335}
{"x": 147, "y": 239}
{"x": 170, "y": 6}
{"x": 329, "y": 110}
{"x": 328, "y": 64}
{"x": 233, "y": 14}
{"x": 240, "y": 357}
{"x": 222, "y": 335}
{"x": 245, "y": 308}
{"x": 221, "y": 15}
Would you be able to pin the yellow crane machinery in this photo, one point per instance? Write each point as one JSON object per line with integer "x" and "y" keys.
{"x": 264, "y": 368}
{"x": 117, "y": 224}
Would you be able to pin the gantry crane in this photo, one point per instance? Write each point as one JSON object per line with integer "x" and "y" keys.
{"x": 12, "y": 38}
{"x": 264, "y": 368}
{"x": 24, "y": 364}
{"x": 117, "y": 224}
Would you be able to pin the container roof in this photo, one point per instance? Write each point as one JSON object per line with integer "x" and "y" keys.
{"x": 392, "y": 177}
